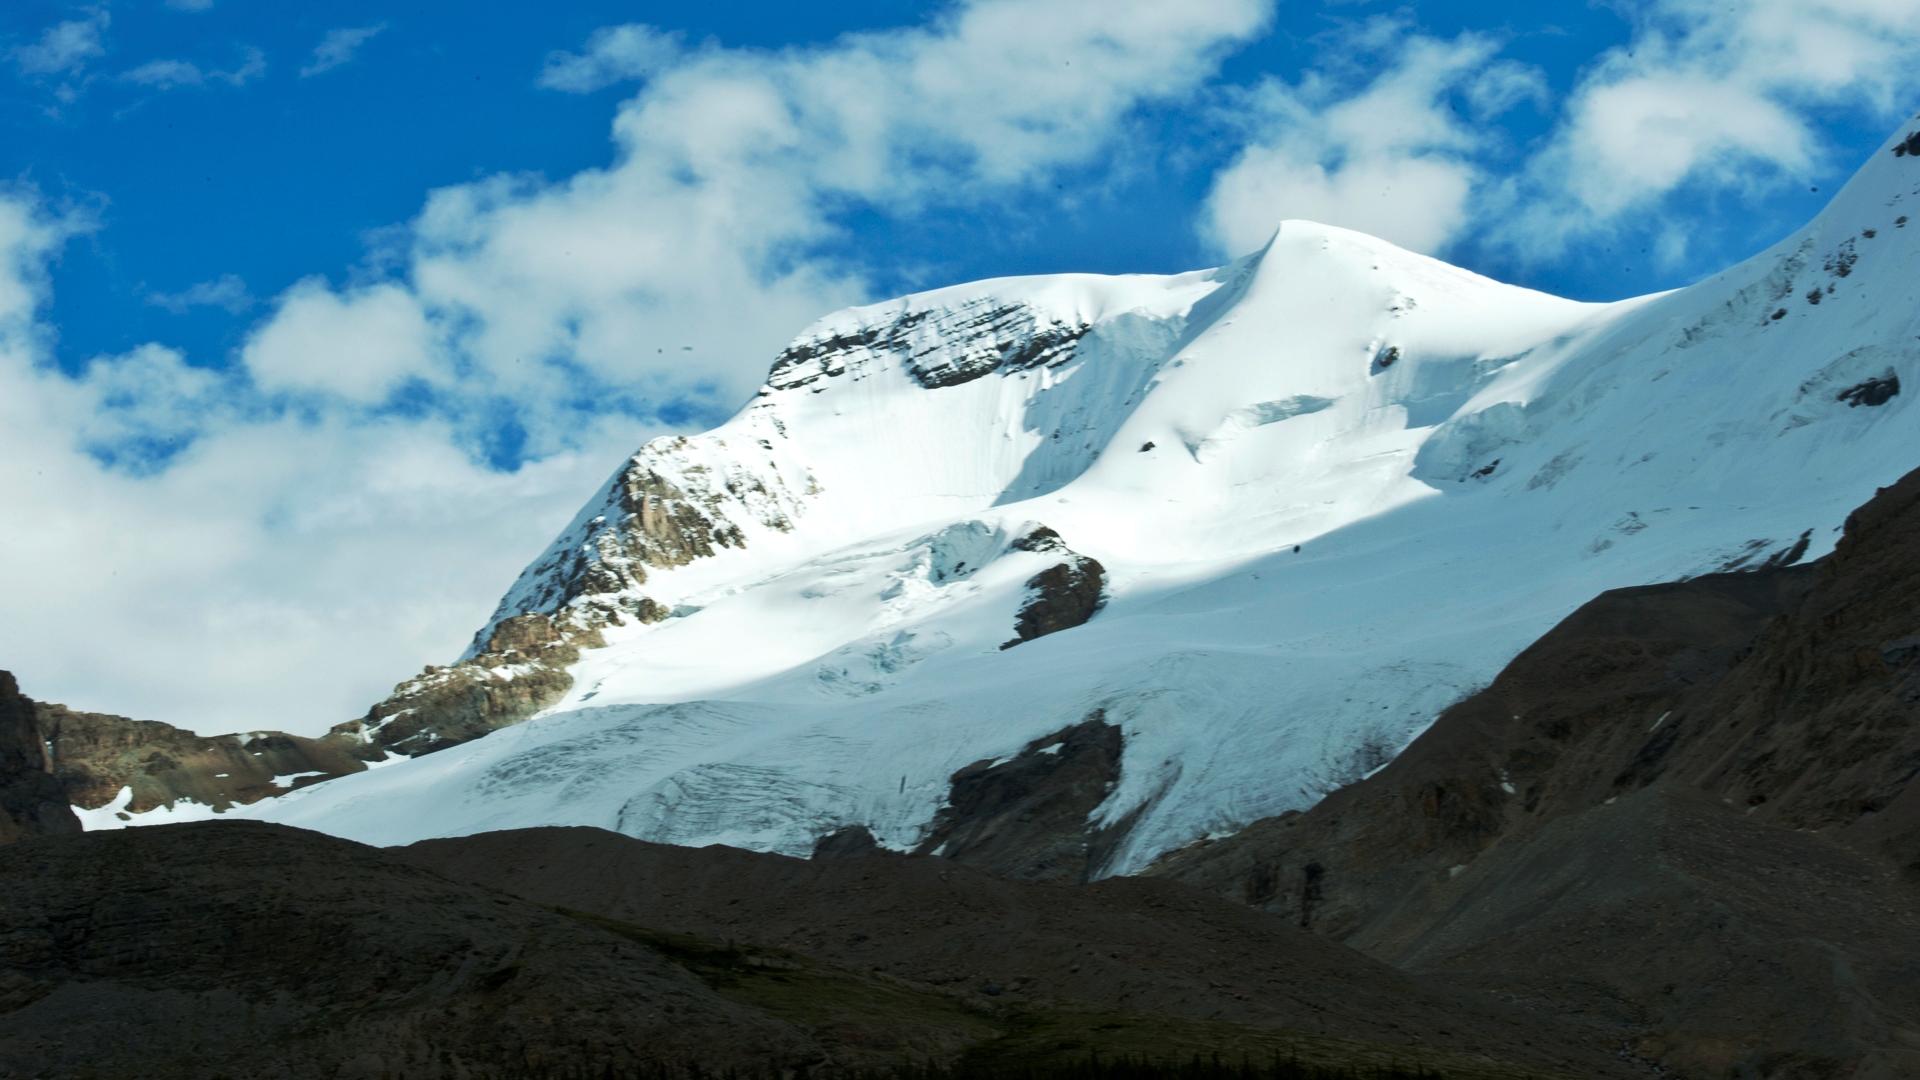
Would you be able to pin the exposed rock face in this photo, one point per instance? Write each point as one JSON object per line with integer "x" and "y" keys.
{"x": 97, "y": 755}
{"x": 1062, "y": 596}
{"x": 1027, "y": 818}
{"x": 32, "y": 801}
{"x": 243, "y": 949}
{"x": 1688, "y": 812}
{"x": 851, "y": 842}
{"x": 648, "y": 520}
{"x": 523, "y": 670}
{"x": 677, "y": 501}
{"x": 943, "y": 347}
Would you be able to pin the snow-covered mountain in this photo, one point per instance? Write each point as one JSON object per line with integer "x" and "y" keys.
{"x": 1324, "y": 492}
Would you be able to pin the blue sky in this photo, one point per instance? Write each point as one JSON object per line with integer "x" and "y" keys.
{"x": 351, "y": 303}
{"x": 287, "y": 174}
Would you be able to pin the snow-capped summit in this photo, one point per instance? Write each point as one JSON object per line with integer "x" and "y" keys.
{"x": 1267, "y": 520}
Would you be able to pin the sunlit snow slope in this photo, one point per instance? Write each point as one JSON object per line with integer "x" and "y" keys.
{"x": 1335, "y": 487}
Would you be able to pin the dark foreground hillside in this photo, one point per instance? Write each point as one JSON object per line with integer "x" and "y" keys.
{"x": 240, "y": 949}
{"x": 1686, "y": 815}
{"x": 1214, "y": 971}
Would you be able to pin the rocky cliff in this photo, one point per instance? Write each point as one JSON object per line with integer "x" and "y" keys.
{"x": 32, "y": 802}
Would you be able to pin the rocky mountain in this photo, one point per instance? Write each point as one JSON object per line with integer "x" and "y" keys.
{"x": 1267, "y": 522}
{"x": 1334, "y": 654}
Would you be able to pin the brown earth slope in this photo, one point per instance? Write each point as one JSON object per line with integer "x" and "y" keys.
{"x": 1143, "y": 946}
{"x": 189, "y": 952}
{"x": 1685, "y": 815}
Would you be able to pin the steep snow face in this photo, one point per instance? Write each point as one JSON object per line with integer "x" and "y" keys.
{"x": 874, "y": 418}
{"x": 1335, "y": 486}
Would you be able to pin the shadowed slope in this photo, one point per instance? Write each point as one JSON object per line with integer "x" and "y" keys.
{"x": 1123, "y": 944}
{"x": 1687, "y": 814}
{"x": 241, "y": 949}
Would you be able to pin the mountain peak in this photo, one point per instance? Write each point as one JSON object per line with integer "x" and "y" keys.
{"x": 1329, "y": 489}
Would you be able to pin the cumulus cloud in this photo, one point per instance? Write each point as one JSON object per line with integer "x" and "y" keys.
{"x": 64, "y": 48}
{"x": 226, "y": 291}
{"x": 338, "y": 47}
{"x": 1721, "y": 96}
{"x": 167, "y": 74}
{"x": 1380, "y": 149}
{"x": 284, "y": 569}
{"x": 731, "y": 168}
{"x": 356, "y": 344}
{"x": 613, "y": 54}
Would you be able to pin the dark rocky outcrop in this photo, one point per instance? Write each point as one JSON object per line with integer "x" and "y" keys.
{"x": 1029, "y": 817}
{"x": 244, "y": 949}
{"x": 1872, "y": 392}
{"x": 850, "y": 842}
{"x": 1127, "y": 956}
{"x": 522, "y": 670}
{"x": 96, "y": 755}
{"x": 32, "y": 802}
{"x": 1687, "y": 815}
{"x": 1060, "y": 597}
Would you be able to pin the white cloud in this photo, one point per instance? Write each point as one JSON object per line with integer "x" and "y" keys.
{"x": 613, "y": 54}
{"x": 358, "y": 344}
{"x": 64, "y": 47}
{"x": 147, "y": 403}
{"x": 226, "y": 291}
{"x": 1390, "y": 157}
{"x": 1712, "y": 94}
{"x": 730, "y": 167}
{"x": 190, "y": 5}
{"x": 284, "y": 570}
{"x": 338, "y": 47}
{"x": 167, "y": 74}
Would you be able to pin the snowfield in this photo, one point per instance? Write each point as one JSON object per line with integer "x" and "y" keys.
{"x": 1335, "y": 487}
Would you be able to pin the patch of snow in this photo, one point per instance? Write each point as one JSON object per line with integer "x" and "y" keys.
{"x": 114, "y": 815}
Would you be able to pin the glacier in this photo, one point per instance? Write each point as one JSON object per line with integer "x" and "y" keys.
{"x": 1335, "y": 486}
